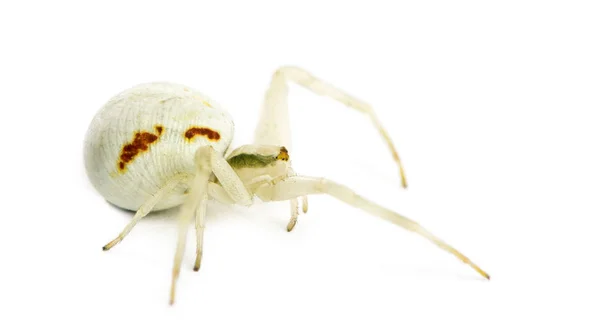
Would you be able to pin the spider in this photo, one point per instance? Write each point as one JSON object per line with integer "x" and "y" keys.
{"x": 160, "y": 145}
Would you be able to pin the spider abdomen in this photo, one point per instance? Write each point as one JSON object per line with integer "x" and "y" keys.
{"x": 147, "y": 135}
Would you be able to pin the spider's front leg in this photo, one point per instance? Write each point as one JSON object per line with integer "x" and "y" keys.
{"x": 297, "y": 186}
{"x": 274, "y": 126}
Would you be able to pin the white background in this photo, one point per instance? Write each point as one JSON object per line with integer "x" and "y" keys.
{"x": 494, "y": 109}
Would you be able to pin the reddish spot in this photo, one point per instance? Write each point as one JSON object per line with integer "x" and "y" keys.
{"x": 209, "y": 133}
{"x": 141, "y": 142}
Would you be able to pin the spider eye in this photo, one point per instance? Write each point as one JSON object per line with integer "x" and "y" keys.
{"x": 283, "y": 155}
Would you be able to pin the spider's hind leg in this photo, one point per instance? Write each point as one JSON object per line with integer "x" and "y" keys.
{"x": 146, "y": 208}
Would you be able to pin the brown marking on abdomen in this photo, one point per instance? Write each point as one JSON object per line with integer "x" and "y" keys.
{"x": 209, "y": 133}
{"x": 141, "y": 142}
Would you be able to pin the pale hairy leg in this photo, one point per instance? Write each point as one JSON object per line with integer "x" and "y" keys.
{"x": 200, "y": 216}
{"x": 208, "y": 162}
{"x": 197, "y": 194}
{"x": 294, "y": 187}
{"x": 304, "y": 204}
{"x": 274, "y": 126}
{"x": 216, "y": 192}
{"x": 145, "y": 209}
{"x": 231, "y": 182}
{"x": 293, "y": 214}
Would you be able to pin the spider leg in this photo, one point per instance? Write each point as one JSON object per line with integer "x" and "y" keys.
{"x": 144, "y": 210}
{"x": 193, "y": 203}
{"x": 274, "y": 126}
{"x": 294, "y": 214}
{"x": 218, "y": 193}
{"x": 298, "y": 186}
{"x": 208, "y": 162}
{"x": 304, "y": 204}
{"x": 228, "y": 178}
{"x": 182, "y": 232}
{"x": 200, "y": 214}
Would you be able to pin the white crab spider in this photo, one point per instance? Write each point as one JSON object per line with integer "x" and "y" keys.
{"x": 161, "y": 145}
